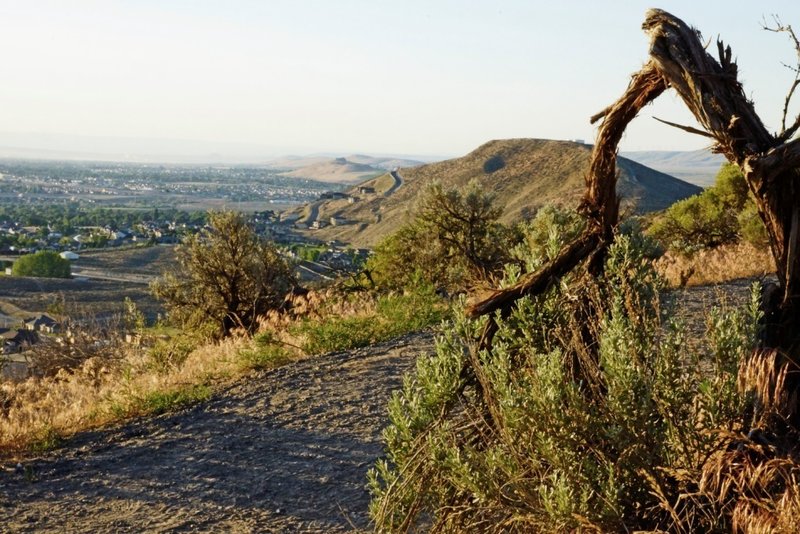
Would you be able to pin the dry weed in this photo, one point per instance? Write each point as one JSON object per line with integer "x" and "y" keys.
{"x": 115, "y": 380}
{"x": 711, "y": 266}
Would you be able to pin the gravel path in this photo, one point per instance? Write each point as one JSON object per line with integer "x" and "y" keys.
{"x": 285, "y": 451}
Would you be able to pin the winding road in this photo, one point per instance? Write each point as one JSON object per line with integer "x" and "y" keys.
{"x": 398, "y": 182}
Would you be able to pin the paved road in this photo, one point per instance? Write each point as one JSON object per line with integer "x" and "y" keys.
{"x": 398, "y": 181}
{"x": 313, "y": 213}
{"x": 99, "y": 274}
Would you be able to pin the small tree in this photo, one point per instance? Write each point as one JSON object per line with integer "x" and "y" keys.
{"x": 43, "y": 264}
{"x": 226, "y": 276}
{"x": 453, "y": 241}
{"x": 466, "y": 224}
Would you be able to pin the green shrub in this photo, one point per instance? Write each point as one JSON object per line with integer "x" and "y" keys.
{"x": 309, "y": 252}
{"x": 159, "y": 402}
{"x": 47, "y": 439}
{"x": 751, "y": 227}
{"x": 401, "y": 257}
{"x": 543, "y": 237}
{"x": 542, "y": 436}
{"x": 42, "y": 264}
{"x": 169, "y": 354}
{"x": 267, "y": 353}
{"x": 495, "y": 163}
{"x": 721, "y": 214}
{"x": 226, "y": 276}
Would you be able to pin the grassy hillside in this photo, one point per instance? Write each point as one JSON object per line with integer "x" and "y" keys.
{"x": 525, "y": 174}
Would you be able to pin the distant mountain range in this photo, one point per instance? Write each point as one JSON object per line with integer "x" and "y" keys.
{"x": 22, "y": 145}
{"x": 698, "y": 167}
{"x": 524, "y": 174}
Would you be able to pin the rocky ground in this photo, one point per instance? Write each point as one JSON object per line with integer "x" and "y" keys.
{"x": 283, "y": 451}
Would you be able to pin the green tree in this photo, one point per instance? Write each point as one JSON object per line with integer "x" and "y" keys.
{"x": 225, "y": 276}
{"x": 43, "y": 264}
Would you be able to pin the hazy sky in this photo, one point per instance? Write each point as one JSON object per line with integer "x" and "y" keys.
{"x": 401, "y": 76}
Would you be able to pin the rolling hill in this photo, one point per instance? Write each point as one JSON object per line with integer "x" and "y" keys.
{"x": 346, "y": 170}
{"x": 525, "y": 174}
{"x": 336, "y": 170}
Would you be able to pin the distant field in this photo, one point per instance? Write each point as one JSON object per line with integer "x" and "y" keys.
{"x": 139, "y": 260}
{"x": 243, "y": 206}
{"x": 21, "y": 297}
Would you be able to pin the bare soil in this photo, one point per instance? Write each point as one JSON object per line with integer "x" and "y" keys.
{"x": 285, "y": 450}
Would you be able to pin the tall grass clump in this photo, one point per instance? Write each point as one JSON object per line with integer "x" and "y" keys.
{"x": 550, "y": 431}
{"x": 382, "y": 318}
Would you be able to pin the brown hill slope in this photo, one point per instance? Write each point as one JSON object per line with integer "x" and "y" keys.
{"x": 525, "y": 174}
{"x": 336, "y": 170}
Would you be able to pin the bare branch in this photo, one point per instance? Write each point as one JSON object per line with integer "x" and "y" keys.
{"x": 538, "y": 282}
{"x": 685, "y": 128}
{"x": 778, "y": 27}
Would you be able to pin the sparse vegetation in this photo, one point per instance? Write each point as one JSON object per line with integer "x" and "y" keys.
{"x": 158, "y": 402}
{"x": 390, "y": 316}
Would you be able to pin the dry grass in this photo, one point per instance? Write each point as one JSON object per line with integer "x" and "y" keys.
{"x": 137, "y": 259}
{"x": 749, "y": 484}
{"x": 101, "y": 391}
{"x": 21, "y": 297}
{"x": 729, "y": 262}
{"x": 125, "y": 380}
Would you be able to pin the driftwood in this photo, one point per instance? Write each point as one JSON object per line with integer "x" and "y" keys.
{"x": 771, "y": 164}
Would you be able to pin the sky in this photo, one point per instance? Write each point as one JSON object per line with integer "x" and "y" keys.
{"x": 416, "y": 77}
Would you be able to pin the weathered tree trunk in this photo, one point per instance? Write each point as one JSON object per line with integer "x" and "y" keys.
{"x": 770, "y": 163}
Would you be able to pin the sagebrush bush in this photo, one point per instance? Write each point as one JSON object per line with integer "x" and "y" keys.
{"x": 722, "y": 214}
{"x": 546, "y": 433}
{"x": 454, "y": 242}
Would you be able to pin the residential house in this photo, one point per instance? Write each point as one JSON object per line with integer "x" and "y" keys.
{"x": 17, "y": 339}
{"x": 43, "y": 323}
{"x": 333, "y": 195}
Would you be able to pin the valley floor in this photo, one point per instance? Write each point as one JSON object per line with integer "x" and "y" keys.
{"x": 285, "y": 450}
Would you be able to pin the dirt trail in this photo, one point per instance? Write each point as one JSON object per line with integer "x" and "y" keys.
{"x": 285, "y": 451}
